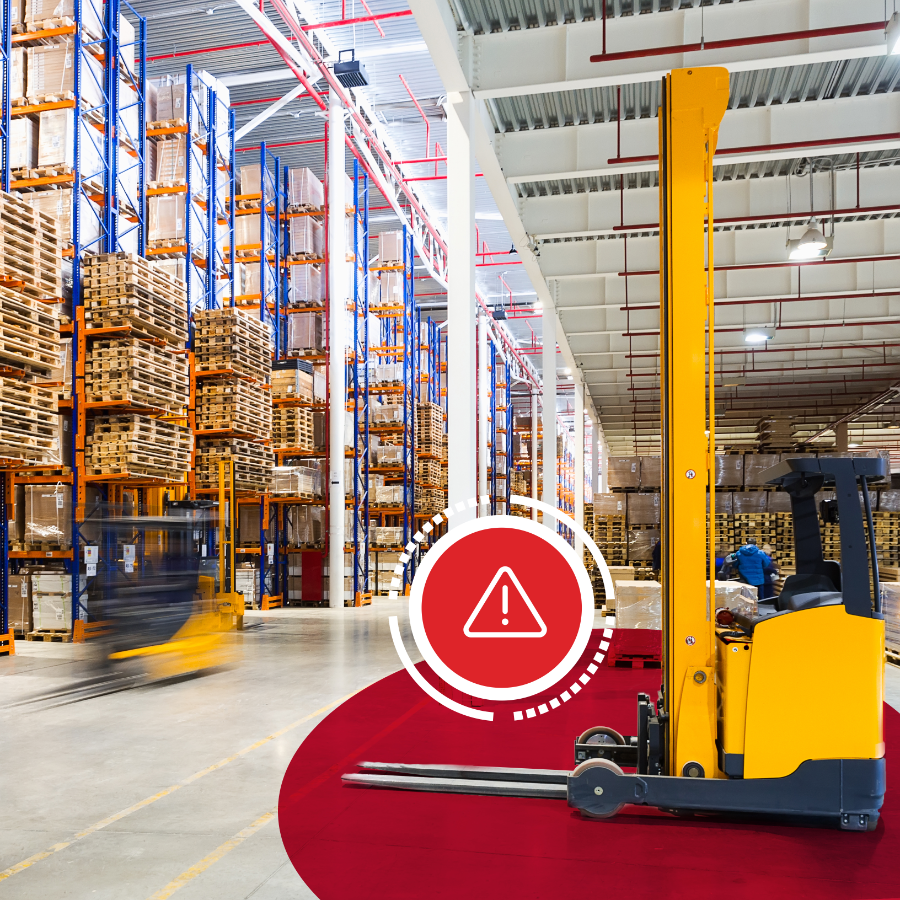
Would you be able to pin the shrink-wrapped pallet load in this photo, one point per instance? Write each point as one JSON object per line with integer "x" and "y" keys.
{"x": 639, "y": 605}
{"x": 729, "y": 470}
{"x": 48, "y": 516}
{"x": 305, "y": 191}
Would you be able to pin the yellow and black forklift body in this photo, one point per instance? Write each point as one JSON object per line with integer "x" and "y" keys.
{"x": 778, "y": 715}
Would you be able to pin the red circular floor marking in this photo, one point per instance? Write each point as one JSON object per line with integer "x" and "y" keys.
{"x": 501, "y": 608}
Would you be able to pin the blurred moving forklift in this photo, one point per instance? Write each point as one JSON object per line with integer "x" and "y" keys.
{"x": 168, "y": 616}
{"x": 778, "y": 715}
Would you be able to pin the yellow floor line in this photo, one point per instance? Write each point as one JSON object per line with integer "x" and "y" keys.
{"x": 37, "y": 857}
{"x": 199, "y": 868}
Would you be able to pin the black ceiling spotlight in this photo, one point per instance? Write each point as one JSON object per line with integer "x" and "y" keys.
{"x": 350, "y": 73}
{"x": 499, "y": 314}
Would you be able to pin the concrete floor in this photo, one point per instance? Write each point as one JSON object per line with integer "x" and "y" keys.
{"x": 131, "y": 796}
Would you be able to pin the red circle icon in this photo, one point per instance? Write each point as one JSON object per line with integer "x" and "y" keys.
{"x": 501, "y": 608}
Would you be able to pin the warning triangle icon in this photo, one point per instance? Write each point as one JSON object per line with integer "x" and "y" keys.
{"x": 505, "y": 611}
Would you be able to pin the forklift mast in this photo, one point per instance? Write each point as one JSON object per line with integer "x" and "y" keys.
{"x": 693, "y": 104}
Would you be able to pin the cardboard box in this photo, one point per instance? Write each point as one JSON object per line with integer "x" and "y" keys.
{"x": 643, "y": 509}
{"x": 288, "y": 384}
{"x": 51, "y": 582}
{"x": 744, "y": 502}
{"x": 39, "y": 10}
{"x": 639, "y": 605}
{"x": 48, "y": 514}
{"x": 609, "y": 505}
{"x": 246, "y": 231}
{"x": 756, "y": 465}
{"x": 391, "y": 285}
{"x": 250, "y": 285}
{"x": 736, "y": 596}
{"x": 23, "y": 144}
{"x": 651, "y": 472}
{"x": 165, "y": 217}
{"x": 21, "y": 615}
{"x": 171, "y": 160}
{"x": 305, "y": 190}
{"x": 778, "y": 501}
{"x": 17, "y": 12}
{"x": 724, "y": 502}
{"x": 57, "y": 203}
{"x": 623, "y": 471}
{"x": 730, "y": 470}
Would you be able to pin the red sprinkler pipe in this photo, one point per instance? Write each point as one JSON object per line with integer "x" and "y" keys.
{"x": 887, "y": 257}
{"x": 284, "y": 144}
{"x": 780, "y": 37}
{"x": 421, "y": 113}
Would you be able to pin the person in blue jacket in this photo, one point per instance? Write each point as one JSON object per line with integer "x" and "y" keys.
{"x": 752, "y": 564}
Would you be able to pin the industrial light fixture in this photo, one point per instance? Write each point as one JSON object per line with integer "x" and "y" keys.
{"x": 813, "y": 244}
{"x": 757, "y": 335}
{"x": 892, "y": 35}
{"x": 538, "y": 306}
{"x": 351, "y": 73}
{"x": 567, "y": 371}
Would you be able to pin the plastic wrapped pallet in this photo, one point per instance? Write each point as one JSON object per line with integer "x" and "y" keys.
{"x": 889, "y": 501}
{"x": 48, "y": 515}
{"x": 306, "y": 285}
{"x": 730, "y": 470}
{"x": 171, "y": 157}
{"x": 756, "y": 465}
{"x": 390, "y": 248}
{"x": 165, "y": 217}
{"x": 18, "y": 65}
{"x": 609, "y": 504}
{"x": 23, "y": 143}
{"x": 246, "y": 231}
{"x": 50, "y": 72}
{"x": 641, "y": 543}
{"x": 651, "y": 472}
{"x": 250, "y": 182}
{"x": 736, "y": 596}
{"x": 305, "y": 332}
{"x": 304, "y": 189}
{"x": 618, "y": 574}
{"x": 248, "y": 525}
{"x": 36, "y": 11}
{"x": 639, "y": 605}
{"x": 56, "y": 142}
{"x": 746, "y": 502}
{"x": 250, "y": 285}
{"x": 389, "y": 455}
{"x": 643, "y": 509}
{"x": 171, "y": 97}
{"x": 624, "y": 471}
{"x": 51, "y": 600}
{"x": 307, "y": 236}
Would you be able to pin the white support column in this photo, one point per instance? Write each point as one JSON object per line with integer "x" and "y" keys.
{"x": 579, "y": 458}
{"x": 534, "y": 452}
{"x": 337, "y": 346}
{"x": 595, "y": 456}
{"x": 604, "y": 466}
{"x": 548, "y": 376}
{"x": 484, "y": 404}
{"x": 461, "y": 307}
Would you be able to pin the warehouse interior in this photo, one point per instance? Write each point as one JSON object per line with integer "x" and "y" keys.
{"x": 284, "y": 287}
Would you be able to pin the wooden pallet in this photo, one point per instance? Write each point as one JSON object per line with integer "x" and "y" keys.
{"x": 136, "y": 445}
{"x": 60, "y": 637}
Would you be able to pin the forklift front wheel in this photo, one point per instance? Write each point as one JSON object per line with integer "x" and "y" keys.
{"x": 599, "y": 811}
{"x": 600, "y": 734}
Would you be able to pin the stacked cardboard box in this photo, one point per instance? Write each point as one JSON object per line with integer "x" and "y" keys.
{"x": 305, "y": 335}
{"x": 307, "y": 237}
{"x": 165, "y": 219}
{"x": 305, "y": 191}
{"x": 639, "y": 605}
{"x": 390, "y": 248}
{"x": 47, "y": 512}
{"x": 171, "y": 161}
{"x": 306, "y": 286}
{"x": 624, "y": 471}
{"x": 20, "y": 615}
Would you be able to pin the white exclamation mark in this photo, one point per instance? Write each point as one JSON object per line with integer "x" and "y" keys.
{"x": 505, "y": 603}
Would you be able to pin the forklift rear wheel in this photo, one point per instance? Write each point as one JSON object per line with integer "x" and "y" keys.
{"x": 610, "y": 811}
{"x": 600, "y": 734}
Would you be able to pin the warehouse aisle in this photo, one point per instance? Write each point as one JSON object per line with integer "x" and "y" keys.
{"x": 171, "y": 790}
{"x": 162, "y": 778}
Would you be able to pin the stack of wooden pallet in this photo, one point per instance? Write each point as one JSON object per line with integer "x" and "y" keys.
{"x": 231, "y": 342}
{"x": 292, "y": 427}
{"x": 429, "y": 429}
{"x": 30, "y": 273}
{"x": 30, "y": 249}
{"x": 428, "y": 472}
{"x": 254, "y": 464}
{"x": 137, "y": 446}
{"x": 121, "y": 289}
{"x": 234, "y": 405}
{"x": 138, "y": 373}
